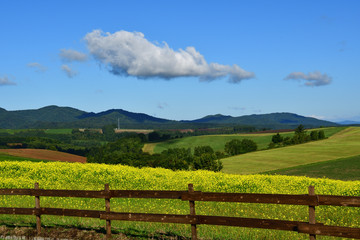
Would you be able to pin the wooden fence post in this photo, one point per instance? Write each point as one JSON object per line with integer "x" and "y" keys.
{"x": 38, "y": 216}
{"x": 107, "y": 209}
{"x": 312, "y": 219}
{"x": 192, "y": 213}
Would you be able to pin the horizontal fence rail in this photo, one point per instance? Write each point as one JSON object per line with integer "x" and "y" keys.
{"x": 312, "y": 227}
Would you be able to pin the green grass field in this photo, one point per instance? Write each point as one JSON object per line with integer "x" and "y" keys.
{"x": 341, "y": 169}
{"x": 59, "y": 131}
{"x": 6, "y": 157}
{"x": 49, "y": 131}
{"x": 341, "y": 145}
{"x": 217, "y": 142}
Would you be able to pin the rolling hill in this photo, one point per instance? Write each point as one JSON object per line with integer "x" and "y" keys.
{"x": 67, "y": 117}
{"x": 271, "y": 120}
{"x": 343, "y": 144}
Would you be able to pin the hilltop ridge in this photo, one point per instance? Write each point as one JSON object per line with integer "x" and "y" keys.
{"x": 68, "y": 117}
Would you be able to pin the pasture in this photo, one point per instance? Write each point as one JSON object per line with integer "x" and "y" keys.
{"x": 59, "y": 175}
{"x": 8, "y": 157}
{"x": 341, "y": 169}
{"x": 48, "y": 131}
{"x": 217, "y": 142}
{"x": 343, "y": 144}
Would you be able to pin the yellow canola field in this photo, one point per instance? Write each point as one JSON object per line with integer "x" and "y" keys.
{"x": 59, "y": 175}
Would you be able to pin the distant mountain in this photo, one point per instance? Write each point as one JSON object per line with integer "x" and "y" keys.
{"x": 348, "y": 122}
{"x": 271, "y": 120}
{"x": 67, "y": 117}
{"x": 33, "y": 118}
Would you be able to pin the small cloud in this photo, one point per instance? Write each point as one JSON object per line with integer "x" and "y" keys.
{"x": 313, "y": 79}
{"x": 69, "y": 72}
{"x": 69, "y": 55}
{"x": 4, "y": 81}
{"x": 317, "y": 117}
{"x": 162, "y": 105}
{"x": 38, "y": 67}
{"x": 131, "y": 54}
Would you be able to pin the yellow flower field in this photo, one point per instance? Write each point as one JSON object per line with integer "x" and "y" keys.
{"x": 58, "y": 175}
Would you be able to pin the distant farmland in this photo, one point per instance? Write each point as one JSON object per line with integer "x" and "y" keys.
{"x": 217, "y": 142}
{"x": 43, "y": 154}
{"x": 343, "y": 144}
{"x": 144, "y": 131}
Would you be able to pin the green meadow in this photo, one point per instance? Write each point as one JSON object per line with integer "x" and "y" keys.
{"x": 7, "y": 157}
{"x": 347, "y": 169}
{"x": 48, "y": 131}
{"x": 217, "y": 142}
{"x": 343, "y": 144}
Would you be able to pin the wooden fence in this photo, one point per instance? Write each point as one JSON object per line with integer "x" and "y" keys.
{"x": 312, "y": 200}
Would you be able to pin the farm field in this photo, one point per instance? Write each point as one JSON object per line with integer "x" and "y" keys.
{"x": 59, "y": 131}
{"x": 343, "y": 144}
{"x": 7, "y": 157}
{"x": 341, "y": 169}
{"x": 42, "y": 154}
{"x": 59, "y": 175}
{"x": 217, "y": 142}
{"x": 48, "y": 131}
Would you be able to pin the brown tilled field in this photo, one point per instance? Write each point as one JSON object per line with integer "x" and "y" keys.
{"x": 44, "y": 155}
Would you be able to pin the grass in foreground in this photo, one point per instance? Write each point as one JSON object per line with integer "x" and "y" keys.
{"x": 57, "y": 175}
{"x": 341, "y": 145}
{"x": 341, "y": 169}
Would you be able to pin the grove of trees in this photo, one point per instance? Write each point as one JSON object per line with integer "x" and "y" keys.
{"x": 300, "y": 136}
{"x": 128, "y": 151}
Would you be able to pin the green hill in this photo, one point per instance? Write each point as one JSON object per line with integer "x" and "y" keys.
{"x": 341, "y": 169}
{"x": 271, "y": 120}
{"x": 343, "y": 144}
{"x": 66, "y": 117}
{"x": 217, "y": 142}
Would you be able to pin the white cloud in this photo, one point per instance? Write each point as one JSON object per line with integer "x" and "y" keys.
{"x": 313, "y": 79}
{"x": 69, "y": 55}
{"x": 5, "y": 81}
{"x": 131, "y": 54}
{"x": 38, "y": 67}
{"x": 69, "y": 72}
{"x": 318, "y": 117}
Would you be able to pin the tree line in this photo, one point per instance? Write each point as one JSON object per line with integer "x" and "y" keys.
{"x": 128, "y": 151}
{"x": 300, "y": 136}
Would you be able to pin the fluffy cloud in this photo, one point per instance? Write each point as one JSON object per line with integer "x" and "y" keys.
{"x": 131, "y": 54}
{"x": 69, "y": 72}
{"x": 5, "y": 81}
{"x": 69, "y": 55}
{"x": 313, "y": 79}
{"x": 38, "y": 67}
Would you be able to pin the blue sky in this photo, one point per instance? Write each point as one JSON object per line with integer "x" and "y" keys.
{"x": 183, "y": 60}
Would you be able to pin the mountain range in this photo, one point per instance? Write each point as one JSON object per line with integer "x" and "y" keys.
{"x": 67, "y": 117}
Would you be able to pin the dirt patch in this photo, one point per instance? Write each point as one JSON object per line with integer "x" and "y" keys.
{"x": 66, "y": 233}
{"x": 44, "y": 154}
{"x": 53, "y": 233}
